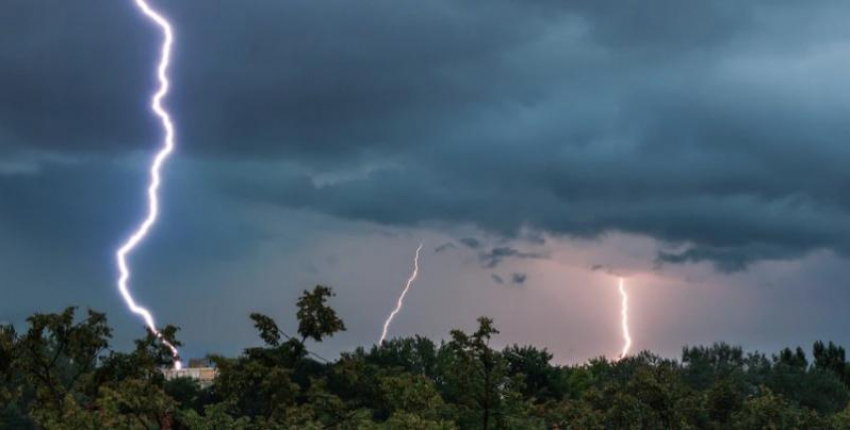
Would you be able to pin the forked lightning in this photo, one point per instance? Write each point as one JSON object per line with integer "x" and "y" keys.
{"x": 159, "y": 159}
{"x": 400, "y": 302}
{"x": 624, "y": 319}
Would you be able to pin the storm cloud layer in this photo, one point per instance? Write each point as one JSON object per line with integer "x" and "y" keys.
{"x": 719, "y": 129}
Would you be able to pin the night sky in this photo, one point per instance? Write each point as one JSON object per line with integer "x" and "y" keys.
{"x": 538, "y": 148}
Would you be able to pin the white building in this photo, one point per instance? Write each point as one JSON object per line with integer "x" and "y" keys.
{"x": 204, "y": 375}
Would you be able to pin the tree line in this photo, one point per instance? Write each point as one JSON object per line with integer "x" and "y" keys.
{"x": 60, "y": 373}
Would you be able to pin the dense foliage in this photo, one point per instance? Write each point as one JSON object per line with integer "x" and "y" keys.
{"x": 60, "y": 373}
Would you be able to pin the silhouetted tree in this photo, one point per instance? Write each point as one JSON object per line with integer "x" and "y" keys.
{"x": 60, "y": 373}
{"x": 316, "y": 320}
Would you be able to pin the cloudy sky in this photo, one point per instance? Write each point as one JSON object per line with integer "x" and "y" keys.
{"x": 539, "y": 149}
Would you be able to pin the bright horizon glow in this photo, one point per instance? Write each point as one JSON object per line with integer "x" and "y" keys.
{"x": 153, "y": 187}
{"x": 400, "y": 302}
{"x": 624, "y": 315}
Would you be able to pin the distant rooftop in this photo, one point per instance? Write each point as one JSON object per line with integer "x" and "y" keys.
{"x": 204, "y": 375}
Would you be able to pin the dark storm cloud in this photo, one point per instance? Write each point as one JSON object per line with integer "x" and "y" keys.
{"x": 495, "y": 256}
{"x": 444, "y": 247}
{"x": 718, "y": 127}
{"x": 470, "y": 242}
{"x": 727, "y": 260}
{"x": 73, "y": 75}
{"x": 519, "y": 278}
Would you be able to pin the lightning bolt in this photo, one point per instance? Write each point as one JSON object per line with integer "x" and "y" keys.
{"x": 400, "y": 302}
{"x": 624, "y": 317}
{"x": 153, "y": 187}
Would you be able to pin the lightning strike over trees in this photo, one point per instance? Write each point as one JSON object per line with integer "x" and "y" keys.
{"x": 159, "y": 159}
{"x": 624, "y": 316}
{"x": 400, "y": 302}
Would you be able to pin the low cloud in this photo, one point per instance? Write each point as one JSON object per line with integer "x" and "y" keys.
{"x": 471, "y": 242}
{"x": 494, "y": 257}
{"x": 518, "y": 278}
{"x": 444, "y": 247}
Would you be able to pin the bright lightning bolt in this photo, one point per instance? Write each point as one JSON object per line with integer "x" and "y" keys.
{"x": 400, "y": 302}
{"x": 624, "y": 315}
{"x": 153, "y": 187}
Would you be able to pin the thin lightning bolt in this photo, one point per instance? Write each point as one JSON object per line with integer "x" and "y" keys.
{"x": 156, "y": 166}
{"x": 400, "y": 302}
{"x": 624, "y": 313}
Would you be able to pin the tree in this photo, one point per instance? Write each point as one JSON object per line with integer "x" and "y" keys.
{"x": 143, "y": 363}
{"x": 771, "y": 411}
{"x": 417, "y": 355}
{"x": 276, "y": 385}
{"x": 8, "y": 338}
{"x": 795, "y": 359}
{"x": 60, "y": 374}
{"x": 268, "y": 329}
{"x": 315, "y": 319}
{"x": 572, "y": 414}
{"x": 414, "y": 398}
{"x": 135, "y": 404}
{"x": 56, "y": 352}
{"x": 541, "y": 380}
{"x": 476, "y": 378}
{"x": 815, "y": 388}
{"x": 215, "y": 417}
{"x": 831, "y": 357}
{"x": 704, "y": 365}
{"x": 722, "y": 400}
